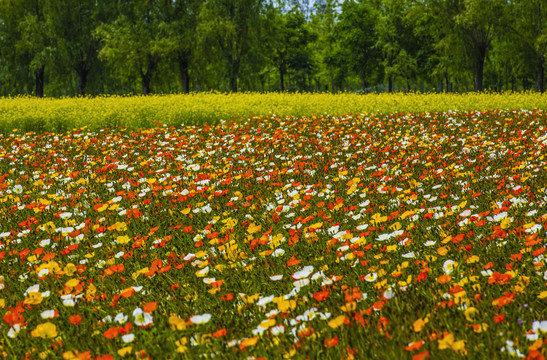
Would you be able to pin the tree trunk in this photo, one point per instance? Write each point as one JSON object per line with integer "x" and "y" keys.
{"x": 39, "y": 76}
{"x": 234, "y": 73}
{"x": 541, "y": 57}
{"x": 282, "y": 77}
{"x": 233, "y": 83}
{"x": 390, "y": 84}
{"x": 331, "y": 78}
{"x": 248, "y": 83}
{"x": 146, "y": 77}
{"x": 540, "y": 75}
{"x": 479, "y": 69}
{"x": 526, "y": 85}
{"x": 364, "y": 70}
{"x": 184, "y": 73}
{"x": 145, "y": 80}
{"x": 82, "y": 68}
{"x": 364, "y": 78}
{"x": 82, "y": 80}
{"x": 289, "y": 81}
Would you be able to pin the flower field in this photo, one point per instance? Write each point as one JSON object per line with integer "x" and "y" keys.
{"x": 66, "y": 114}
{"x": 396, "y": 236}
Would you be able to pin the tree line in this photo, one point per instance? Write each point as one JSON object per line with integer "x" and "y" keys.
{"x": 71, "y": 47}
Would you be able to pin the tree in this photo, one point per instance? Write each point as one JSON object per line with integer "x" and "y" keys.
{"x": 134, "y": 43}
{"x": 298, "y": 57}
{"x": 14, "y": 68}
{"x": 472, "y": 23}
{"x": 327, "y": 52}
{"x": 531, "y": 31}
{"x": 393, "y": 36}
{"x": 356, "y": 32}
{"x": 435, "y": 56}
{"x": 26, "y": 31}
{"x": 277, "y": 40}
{"x": 231, "y": 28}
{"x": 178, "y": 22}
{"x": 72, "y": 23}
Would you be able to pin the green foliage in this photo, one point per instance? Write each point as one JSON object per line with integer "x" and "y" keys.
{"x": 136, "y": 42}
{"x": 82, "y": 46}
{"x": 230, "y": 28}
{"x": 358, "y": 36}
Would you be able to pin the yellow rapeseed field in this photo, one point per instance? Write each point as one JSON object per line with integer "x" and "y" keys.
{"x": 49, "y": 114}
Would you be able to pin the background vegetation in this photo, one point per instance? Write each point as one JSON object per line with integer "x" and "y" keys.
{"x": 69, "y": 47}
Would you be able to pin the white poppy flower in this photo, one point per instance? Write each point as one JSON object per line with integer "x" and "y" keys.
{"x": 448, "y": 266}
{"x": 200, "y": 319}
{"x": 33, "y": 288}
{"x": 65, "y": 215}
{"x": 538, "y": 326}
{"x": 304, "y": 273}
{"x": 142, "y": 318}
{"x": 14, "y": 330}
{"x": 47, "y": 314}
{"x": 301, "y": 283}
{"x": 465, "y": 213}
{"x": 276, "y": 330}
{"x": 389, "y": 293}
{"x": 128, "y": 338}
{"x": 265, "y": 300}
{"x": 121, "y": 318}
{"x": 278, "y": 252}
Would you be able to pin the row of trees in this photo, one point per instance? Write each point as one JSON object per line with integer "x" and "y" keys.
{"x": 68, "y": 47}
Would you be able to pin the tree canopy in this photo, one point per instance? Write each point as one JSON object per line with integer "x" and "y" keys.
{"x": 78, "y": 47}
